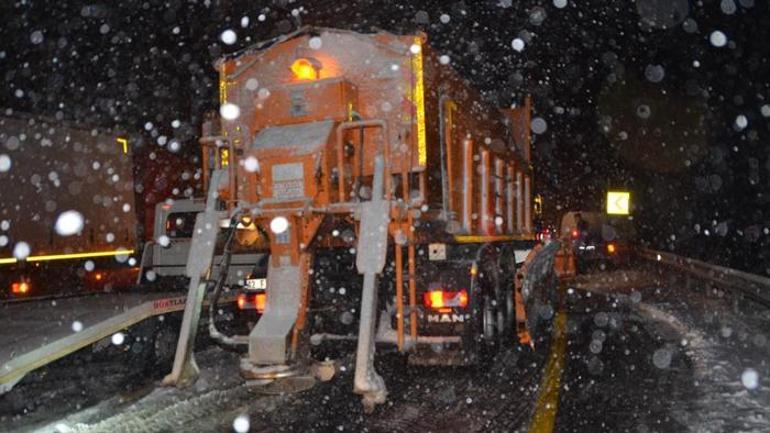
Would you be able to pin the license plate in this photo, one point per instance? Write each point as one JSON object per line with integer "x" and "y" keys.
{"x": 256, "y": 283}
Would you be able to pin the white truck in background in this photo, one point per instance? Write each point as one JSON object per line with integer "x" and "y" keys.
{"x": 52, "y": 168}
{"x": 82, "y": 175}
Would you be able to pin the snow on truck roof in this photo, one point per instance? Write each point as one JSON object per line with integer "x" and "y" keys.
{"x": 259, "y": 46}
{"x": 304, "y": 138}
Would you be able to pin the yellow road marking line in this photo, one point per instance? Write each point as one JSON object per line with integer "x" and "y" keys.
{"x": 547, "y": 404}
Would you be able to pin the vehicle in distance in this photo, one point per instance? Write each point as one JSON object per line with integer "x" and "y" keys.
{"x": 598, "y": 240}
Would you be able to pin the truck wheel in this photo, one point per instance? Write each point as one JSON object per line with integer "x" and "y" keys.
{"x": 505, "y": 313}
{"x": 484, "y": 335}
{"x": 490, "y": 337}
{"x": 164, "y": 345}
{"x": 507, "y": 305}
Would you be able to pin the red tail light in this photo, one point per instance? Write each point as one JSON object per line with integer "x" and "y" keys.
{"x": 438, "y": 299}
{"x": 241, "y": 301}
{"x": 575, "y": 234}
{"x": 20, "y": 288}
{"x": 260, "y": 300}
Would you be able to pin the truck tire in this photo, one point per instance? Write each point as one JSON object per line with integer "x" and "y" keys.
{"x": 485, "y": 337}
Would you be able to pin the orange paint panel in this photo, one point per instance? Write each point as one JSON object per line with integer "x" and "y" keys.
{"x": 305, "y": 101}
{"x": 510, "y": 198}
{"x": 499, "y": 182}
{"x": 485, "y": 194}
{"x": 469, "y": 169}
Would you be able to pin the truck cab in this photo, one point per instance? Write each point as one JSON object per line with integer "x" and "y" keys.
{"x": 165, "y": 256}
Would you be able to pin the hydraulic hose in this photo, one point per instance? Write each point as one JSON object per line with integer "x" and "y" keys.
{"x": 224, "y": 266}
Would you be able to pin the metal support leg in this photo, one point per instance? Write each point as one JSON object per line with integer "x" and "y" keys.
{"x": 367, "y": 382}
{"x": 199, "y": 261}
{"x": 185, "y": 370}
{"x": 370, "y": 260}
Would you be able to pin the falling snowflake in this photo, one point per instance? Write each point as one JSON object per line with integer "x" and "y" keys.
{"x": 69, "y": 223}
{"x": 718, "y": 39}
{"x": 230, "y": 111}
{"x": 228, "y": 37}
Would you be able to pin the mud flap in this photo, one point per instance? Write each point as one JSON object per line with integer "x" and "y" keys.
{"x": 531, "y": 280}
{"x": 371, "y": 253}
{"x": 185, "y": 370}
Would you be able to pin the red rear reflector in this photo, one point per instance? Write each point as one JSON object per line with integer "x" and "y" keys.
{"x": 260, "y": 300}
{"x": 241, "y": 300}
{"x": 439, "y": 299}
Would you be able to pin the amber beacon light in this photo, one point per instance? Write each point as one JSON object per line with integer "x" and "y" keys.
{"x": 306, "y": 68}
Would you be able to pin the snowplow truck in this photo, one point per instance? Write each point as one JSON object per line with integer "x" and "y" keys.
{"x": 393, "y": 201}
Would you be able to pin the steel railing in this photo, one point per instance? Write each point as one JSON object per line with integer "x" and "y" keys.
{"x": 754, "y": 287}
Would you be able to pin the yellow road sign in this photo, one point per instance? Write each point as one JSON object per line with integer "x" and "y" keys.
{"x": 618, "y": 202}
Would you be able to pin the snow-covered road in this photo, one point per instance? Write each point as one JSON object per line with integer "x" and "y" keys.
{"x": 646, "y": 351}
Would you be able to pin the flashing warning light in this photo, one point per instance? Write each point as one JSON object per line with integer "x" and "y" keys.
{"x": 618, "y": 202}
{"x": 439, "y": 299}
{"x": 306, "y": 68}
{"x": 611, "y": 248}
{"x": 20, "y": 288}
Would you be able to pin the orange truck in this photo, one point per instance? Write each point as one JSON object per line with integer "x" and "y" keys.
{"x": 394, "y": 202}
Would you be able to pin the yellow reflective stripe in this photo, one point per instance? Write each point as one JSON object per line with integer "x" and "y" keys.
{"x": 469, "y": 239}
{"x": 419, "y": 102}
{"x": 224, "y": 157}
{"x": 544, "y": 418}
{"x": 49, "y": 257}
{"x": 222, "y": 86}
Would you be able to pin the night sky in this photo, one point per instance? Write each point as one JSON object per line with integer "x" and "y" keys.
{"x": 636, "y": 95}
